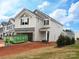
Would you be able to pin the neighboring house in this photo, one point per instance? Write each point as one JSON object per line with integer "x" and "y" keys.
{"x": 37, "y": 25}
{"x": 1, "y": 31}
{"x": 77, "y": 35}
{"x": 8, "y": 27}
{"x": 68, "y": 33}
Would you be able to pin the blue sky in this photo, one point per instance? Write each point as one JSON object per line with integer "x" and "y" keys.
{"x": 64, "y": 11}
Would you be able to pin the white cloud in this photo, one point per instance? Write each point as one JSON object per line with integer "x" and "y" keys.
{"x": 59, "y": 15}
{"x": 62, "y": 16}
{"x": 3, "y": 18}
{"x": 5, "y": 6}
{"x": 74, "y": 10}
{"x": 43, "y": 5}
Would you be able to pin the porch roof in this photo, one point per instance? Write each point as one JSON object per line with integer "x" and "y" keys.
{"x": 44, "y": 29}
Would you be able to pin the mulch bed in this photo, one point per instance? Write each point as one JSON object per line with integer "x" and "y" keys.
{"x": 18, "y": 48}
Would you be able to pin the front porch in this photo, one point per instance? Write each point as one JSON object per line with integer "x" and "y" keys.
{"x": 44, "y": 34}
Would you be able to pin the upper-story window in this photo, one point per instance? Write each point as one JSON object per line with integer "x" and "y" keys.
{"x": 24, "y": 20}
{"x": 46, "y": 22}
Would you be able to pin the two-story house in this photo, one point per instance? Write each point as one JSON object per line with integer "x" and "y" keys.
{"x": 37, "y": 25}
{"x": 1, "y": 31}
{"x": 8, "y": 27}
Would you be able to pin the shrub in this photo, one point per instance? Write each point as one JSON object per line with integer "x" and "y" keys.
{"x": 60, "y": 41}
{"x": 73, "y": 41}
{"x": 64, "y": 40}
{"x": 68, "y": 40}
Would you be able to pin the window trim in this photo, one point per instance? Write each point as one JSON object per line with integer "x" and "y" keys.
{"x": 46, "y": 22}
{"x": 25, "y": 23}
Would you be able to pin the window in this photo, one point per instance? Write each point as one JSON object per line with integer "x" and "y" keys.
{"x": 24, "y": 21}
{"x": 9, "y": 27}
{"x": 46, "y": 22}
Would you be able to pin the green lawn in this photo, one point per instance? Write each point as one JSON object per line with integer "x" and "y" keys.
{"x": 68, "y": 52}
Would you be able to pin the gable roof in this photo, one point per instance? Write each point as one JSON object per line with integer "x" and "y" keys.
{"x": 35, "y": 12}
{"x": 7, "y": 23}
{"x": 23, "y": 10}
{"x": 44, "y": 16}
{"x": 38, "y": 13}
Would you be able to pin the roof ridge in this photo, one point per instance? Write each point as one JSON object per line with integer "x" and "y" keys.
{"x": 47, "y": 16}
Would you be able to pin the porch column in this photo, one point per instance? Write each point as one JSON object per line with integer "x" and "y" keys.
{"x": 46, "y": 35}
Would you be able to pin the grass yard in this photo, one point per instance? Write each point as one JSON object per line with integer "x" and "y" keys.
{"x": 69, "y": 52}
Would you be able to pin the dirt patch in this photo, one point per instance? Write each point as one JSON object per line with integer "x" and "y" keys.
{"x": 18, "y": 48}
{"x": 2, "y": 44}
